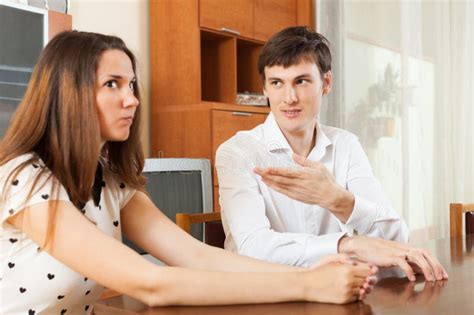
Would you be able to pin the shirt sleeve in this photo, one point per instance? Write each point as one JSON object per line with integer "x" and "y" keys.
{"x": 373, "y": 215}
{"x": 30, "y": 186}
{"x": 247, "y": 226}
{"x": 124, "y": 193}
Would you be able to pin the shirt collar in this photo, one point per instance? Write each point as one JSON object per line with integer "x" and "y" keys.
{"x": 276, "y": 141}
{"x": 274, "y": 138}
{"x": 322, "y": 142}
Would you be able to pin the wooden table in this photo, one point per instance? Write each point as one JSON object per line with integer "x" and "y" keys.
{"x": 391, "y": 295}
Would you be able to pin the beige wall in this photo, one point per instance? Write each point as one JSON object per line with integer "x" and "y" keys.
{"x": 127, "y": 19}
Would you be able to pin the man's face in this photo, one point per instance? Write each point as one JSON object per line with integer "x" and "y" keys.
{"x": 295, "y": 95}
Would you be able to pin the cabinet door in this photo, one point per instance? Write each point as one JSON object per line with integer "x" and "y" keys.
{"x": 225, "y": 124}
{"x": 229, "y": 15}
{"x": 272, "y": 16}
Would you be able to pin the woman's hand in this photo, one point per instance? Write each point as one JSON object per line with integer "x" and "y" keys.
{"x": 338, "y": 279}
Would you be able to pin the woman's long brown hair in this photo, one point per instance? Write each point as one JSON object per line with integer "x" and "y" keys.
{"x": 57, "y": 120}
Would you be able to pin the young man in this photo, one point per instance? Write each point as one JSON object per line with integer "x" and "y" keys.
{"x": 292, "y": 190}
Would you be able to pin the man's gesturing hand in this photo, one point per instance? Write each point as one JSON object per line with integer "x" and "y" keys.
{"x": 312, "y": 183}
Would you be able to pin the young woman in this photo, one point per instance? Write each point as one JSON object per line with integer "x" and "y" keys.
{"x": 70, "y": 171}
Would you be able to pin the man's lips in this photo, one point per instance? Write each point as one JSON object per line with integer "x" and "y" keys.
{"x": 291, "y": 112}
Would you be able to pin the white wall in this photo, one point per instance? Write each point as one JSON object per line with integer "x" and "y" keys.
{"x": 129, "y": 20}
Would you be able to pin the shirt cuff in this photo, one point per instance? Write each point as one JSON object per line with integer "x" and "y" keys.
{"x": 362, "y": 217}
{"x": 324, "y": 245}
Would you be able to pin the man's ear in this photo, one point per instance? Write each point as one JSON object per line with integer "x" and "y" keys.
{"x": 327, "y": 82}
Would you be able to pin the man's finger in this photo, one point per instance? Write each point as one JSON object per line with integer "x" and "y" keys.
{"x": 282, "y": 171}
{"x": 279, "y": 179}
{"x": 419, "y": 259}
{"x": 303, "y": 161}
{"x": 407, "y": 269}
{"x": 285, "y": 190}
{"x": 439, "y": 271}
{"x": 282, "y": 189}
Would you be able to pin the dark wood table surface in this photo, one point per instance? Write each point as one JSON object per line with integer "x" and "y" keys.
{"x": 393, "y": 294}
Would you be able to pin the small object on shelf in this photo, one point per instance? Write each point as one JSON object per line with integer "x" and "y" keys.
{"x": 254, "y": 99}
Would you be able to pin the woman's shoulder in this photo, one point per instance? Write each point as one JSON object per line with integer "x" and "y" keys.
{"x": 27, "y": 175}
{"x": 116, "y": 185}
{"x": 18, "y": 160}
{"x": 16, "y": 163}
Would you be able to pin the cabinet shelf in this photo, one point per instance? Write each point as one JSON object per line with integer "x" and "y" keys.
{"x": 228, "y": 66}
{"x": 248, "y": 78}
{"x": 218, "y": 67}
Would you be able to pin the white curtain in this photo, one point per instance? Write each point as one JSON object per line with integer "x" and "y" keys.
{"x": 404, "y": 83}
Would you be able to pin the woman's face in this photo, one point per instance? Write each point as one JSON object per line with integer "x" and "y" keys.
{"x": 115, "y": 99}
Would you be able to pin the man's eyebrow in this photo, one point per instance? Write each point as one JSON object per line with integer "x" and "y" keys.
{"x": 304, "y": 75}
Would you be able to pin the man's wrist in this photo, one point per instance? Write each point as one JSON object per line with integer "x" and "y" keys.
{"x": 343, "y": 204}
{"x": 345, "y": 245}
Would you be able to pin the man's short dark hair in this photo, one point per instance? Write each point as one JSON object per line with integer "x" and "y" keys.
{"x": 293, "y": 45}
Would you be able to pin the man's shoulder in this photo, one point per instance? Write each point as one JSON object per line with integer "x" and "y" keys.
{"x": 243, "y": 141}
{"x": 338, "y": 135}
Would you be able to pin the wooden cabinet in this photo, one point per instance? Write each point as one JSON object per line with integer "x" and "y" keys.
{"x": 272, "y": 16}
{"x": 234, "y": 17}
{"x": 225, "y": 124}
{"x": 254, "y": 19}
{"x": 58, "y": 22}
{"x": 197, "y": 70}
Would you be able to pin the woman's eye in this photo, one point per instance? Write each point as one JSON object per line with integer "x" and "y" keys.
{"x": 111, "y": 84}
{"x": 132, "y": 85}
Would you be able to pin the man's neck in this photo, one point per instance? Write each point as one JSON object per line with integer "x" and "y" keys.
{"x": 302, "y": 142}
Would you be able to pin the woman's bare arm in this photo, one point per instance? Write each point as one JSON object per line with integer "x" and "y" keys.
{"x": 148, "y": 227}
{"x": 80, "y": 245}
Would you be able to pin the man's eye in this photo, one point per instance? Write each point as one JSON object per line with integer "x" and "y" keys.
{"x": 275, "y": 83}
{"x": 302, "y": 81}
{"x": 111, "y": 84}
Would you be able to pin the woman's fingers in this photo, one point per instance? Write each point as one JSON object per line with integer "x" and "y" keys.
{"x": 362, "y": 270}
{"x": 341, "y": 258}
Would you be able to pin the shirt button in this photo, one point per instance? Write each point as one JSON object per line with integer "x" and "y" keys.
{"x": 355, "y": 232}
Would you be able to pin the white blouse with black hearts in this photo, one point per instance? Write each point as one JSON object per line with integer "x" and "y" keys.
{"x": 32, "y": 281}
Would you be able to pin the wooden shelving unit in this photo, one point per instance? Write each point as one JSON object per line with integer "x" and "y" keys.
{"x": 204, "y": 52}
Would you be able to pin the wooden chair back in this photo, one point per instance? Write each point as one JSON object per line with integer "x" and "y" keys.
{"x": 213, "y": 231}
{"x": 456, "y": 212}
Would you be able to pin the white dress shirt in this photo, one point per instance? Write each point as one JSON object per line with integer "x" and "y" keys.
{"x": 263, "y": 223}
